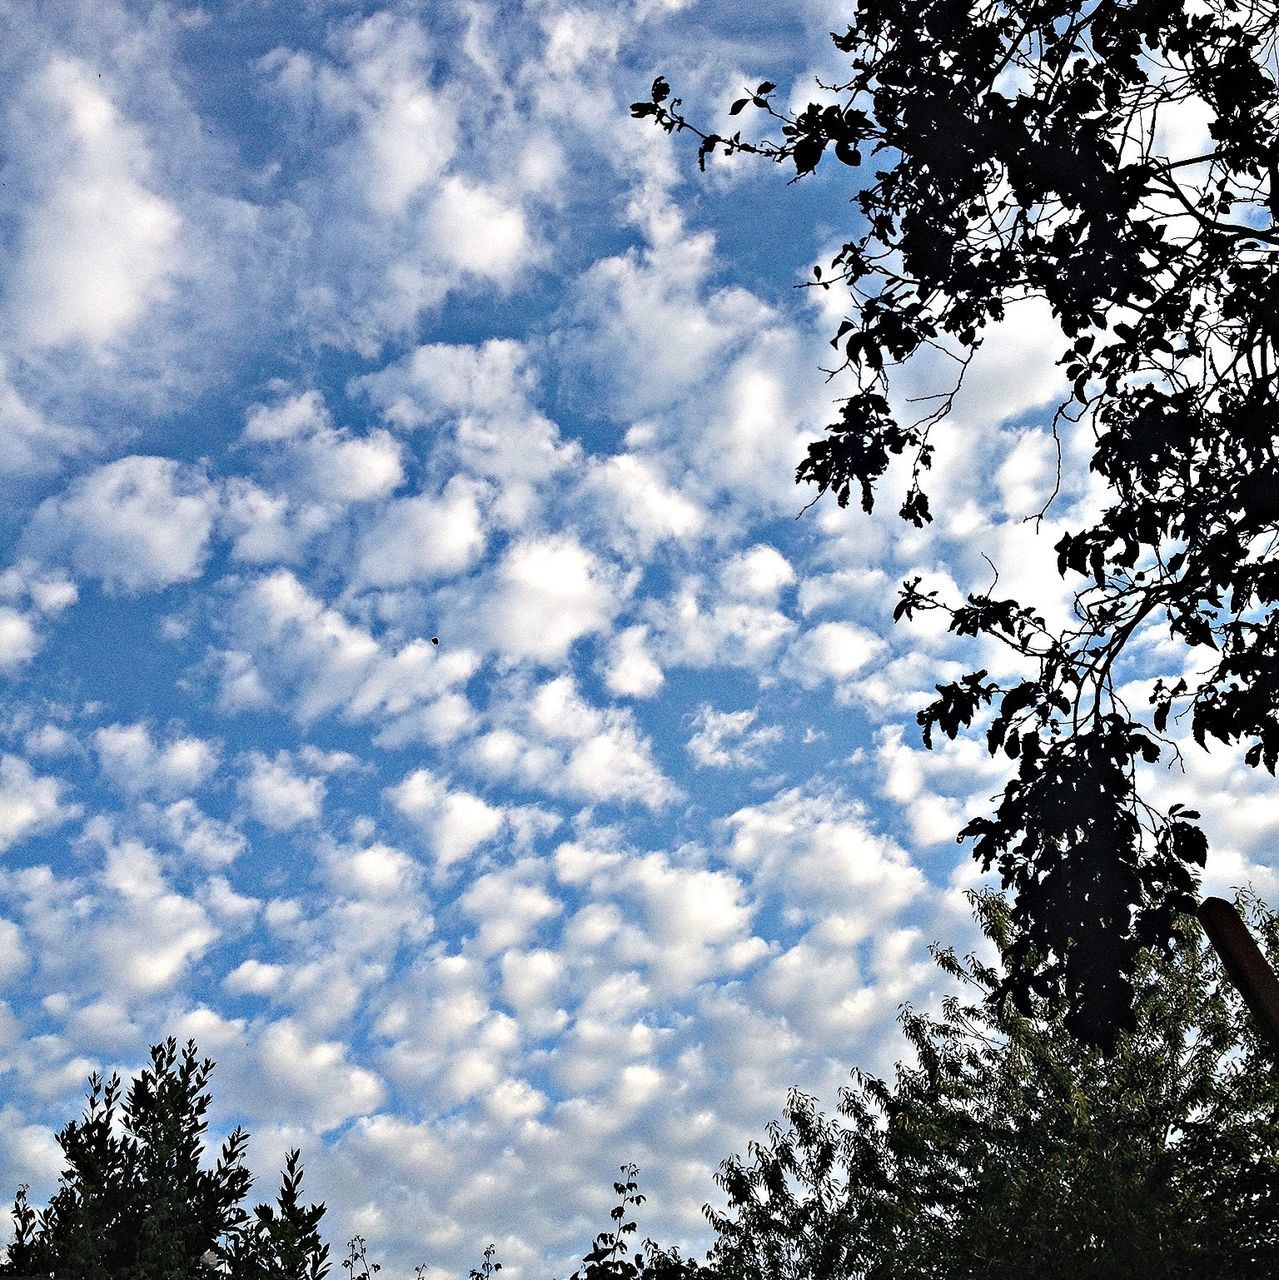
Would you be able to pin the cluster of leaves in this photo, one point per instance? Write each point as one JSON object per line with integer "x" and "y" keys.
{"x": 607, "y": 1258}
{"x": 1010, "y": 1149}
{"x": 357, "y": 1265}
{"x": 135, "y": 1203}
{"x": 1010, "y": 149}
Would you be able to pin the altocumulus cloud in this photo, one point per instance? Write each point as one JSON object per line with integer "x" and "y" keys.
{"x": 418, "y": 689}
{"x": 136, "y": 524}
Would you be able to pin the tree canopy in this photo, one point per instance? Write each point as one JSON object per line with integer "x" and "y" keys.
{"x": 1005, "y": 1148}
{"x": 134, "y": 1201}
{"x": 1010, "y": 149}
{"x": 1010, "y": 1149}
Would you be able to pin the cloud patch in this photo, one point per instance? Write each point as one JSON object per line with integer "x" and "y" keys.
{"x": 137, "y": 524}
{"x": 29, "y": 803}
{"x": 728, "y": 740}
{"x": 98, "y": 244}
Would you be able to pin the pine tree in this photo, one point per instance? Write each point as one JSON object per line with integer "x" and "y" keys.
{"x": 135, "y": 1203}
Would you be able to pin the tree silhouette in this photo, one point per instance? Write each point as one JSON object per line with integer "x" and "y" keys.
{"x": 135, "y": 1203}
{"x": 1012, "y": 1151}
{"x": 1009, "y": 149}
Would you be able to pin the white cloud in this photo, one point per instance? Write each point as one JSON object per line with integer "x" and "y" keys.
{"x": 756, "y": 429}
{"x": 135, "y": 763}
{"x": 819, "y": 851}
{"x": 288, "y": 645}
{"x": 29, "y": 803}
{"x": 420, "y": 538}
{"x": 278, "y": 796}
{"x": 328, "y": 761}
{"x": 483, "y": 399}
{"x": 44, "y": 595}
{"x": 398, "y": 220}
{"x": 638, "y": 508}
{"x": 47, "y": 592}
{"x": 31, "y": 445}
{"x": 136, "y": 935}
{"x": 863, "y": 588}
{"x": 376, "y": 873}
{"x": 19, "y": 639}
{"x": 407, "y": 131}
{"x": 301, "y": 1080}
{"x": 444, "y": 380}
{"x": 545, "y": 594}
{"x": 938, "y": 790}
{"x": 509, "y": 905}
{"x": 680, "y": 924}
{"x": 631, "y": 668}
{"x": 476, "y": 230}
{"x": 726, "y": 740}
{"x": 1027, "y": 475}
{"x": 138, "y": 524}
{"x": 313, "y": 460}
{"x": 98, "y": 245}
{"x": 822, "y": 987}
{"x": 455, "y": 822}
{"x": 30, "y": 1147}
{"x": 294, "y": 416}
{"x": 207, "y": 840}
{"x": 1014, "y": 372}
{"x": 228, "y": 908}
{"x": 562, "y": 745}
{"x": 578, "y": 37}
{"x": 833, "y": 651}
{"x": 446, "y": 1039}
{"x": 759, "y": 572}
{"x": 14, "y": 960}
{"x": 644, "y": 329}
{"x": 532, "y": 984}
{"x": 150, "y": 933}
{"x": 701, "y": 626}
{"x": 345, "y": 468}
{"x": 252, "y": 977}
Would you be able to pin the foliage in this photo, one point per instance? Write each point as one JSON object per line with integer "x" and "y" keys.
{"x": 1010, "y": 1149}
{"x": 607, "y": 1260}
{"x": 281, "y": 1241}
{"x": 1008, "y": 149}
{"x": 134, "y": 1203}
{"x": 488, "y": 1267}
{"x": 356, "y": 1263}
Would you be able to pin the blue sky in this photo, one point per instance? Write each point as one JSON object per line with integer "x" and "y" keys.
{"x": 330, "y": 330}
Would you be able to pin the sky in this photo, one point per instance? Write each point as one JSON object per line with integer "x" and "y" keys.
{"x": 420, "y": 685}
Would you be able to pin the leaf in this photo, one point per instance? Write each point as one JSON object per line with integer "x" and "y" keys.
{"x": 806, "y": 154}
{"x": 847, "y": 154}
{"x": 738, "y": 107}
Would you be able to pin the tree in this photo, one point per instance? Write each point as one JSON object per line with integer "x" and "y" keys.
{"x": 1008, "y": 149}
{"x": 1012, "y": 1150}
{"x": 134, "y": 1203}
{"x": 280, "y": 1242}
